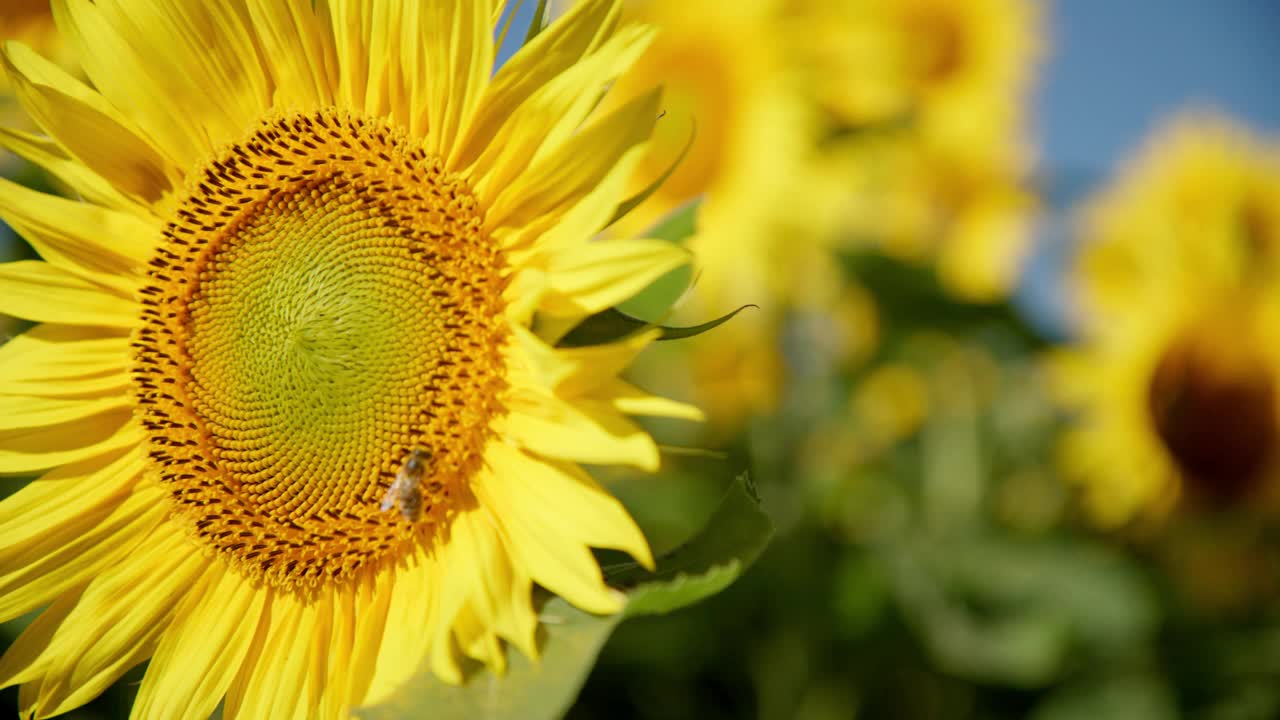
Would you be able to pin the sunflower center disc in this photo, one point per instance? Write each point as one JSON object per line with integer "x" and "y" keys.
{"x": 325, "y": 301}
{"x": 1217, "y": 419}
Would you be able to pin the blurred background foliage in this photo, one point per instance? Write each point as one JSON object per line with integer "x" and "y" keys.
{"x": 1010, "y": 393}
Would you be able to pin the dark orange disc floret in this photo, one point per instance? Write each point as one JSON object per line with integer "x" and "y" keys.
{"x": 325, "y": 300}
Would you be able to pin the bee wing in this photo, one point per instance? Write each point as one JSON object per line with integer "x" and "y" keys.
{"x": 389, "y": 499}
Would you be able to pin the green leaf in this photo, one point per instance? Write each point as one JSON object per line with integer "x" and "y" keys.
{"x": 910, "y": 296}
{"x": 1013, "y": 611}
{"x": 570, "y": 640}
{"x": 732, "y": 539}
{"x": 679, "y": 224}
{"x": 539, "y": 20}
{"x": 1101, "y": 593}
{"x": 612, "y": 325}
{"x": 1114, "y": 696}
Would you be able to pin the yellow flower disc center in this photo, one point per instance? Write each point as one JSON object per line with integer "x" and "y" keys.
{"x": 325, "y": 301}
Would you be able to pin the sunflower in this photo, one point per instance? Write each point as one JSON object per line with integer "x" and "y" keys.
{"x": 311, "y": 245}
{"x": 1176, "y": 373}
{"x": 925, "y": 98}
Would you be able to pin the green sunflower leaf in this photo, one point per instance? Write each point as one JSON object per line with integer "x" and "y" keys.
{"x": 569, "y": 640}
{"x": 732, "y": 539}
{"x": 538, "y": 23}
{"x": 612, "y": 325}
{"x": 678, "y": 226}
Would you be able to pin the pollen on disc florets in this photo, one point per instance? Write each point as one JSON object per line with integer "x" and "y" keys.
{"x": 324, "y": 302}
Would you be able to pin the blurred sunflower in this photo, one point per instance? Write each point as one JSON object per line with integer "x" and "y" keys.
{"x": 312, "y": 241}
{"x": 727, "y": 96}
{"x": 925, "y": 103}
{"x": 1176, "y": 374}
{"x": 748, "y": 135}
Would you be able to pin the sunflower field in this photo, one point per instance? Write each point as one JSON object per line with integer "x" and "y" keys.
{"x": 639, "y": 359}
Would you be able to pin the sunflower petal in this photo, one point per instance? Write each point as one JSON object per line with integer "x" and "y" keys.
{"x": 557, "y": 230}
{"x": 517, "y": 620}
{"x": 38, "y": 363}
{"x": 457, "y": 38}
{"x": 296, "y": 42}
{"x": 589, "y": 278}
{"x": 24, "y": 411}
{"x": 585, "y": 431}
{"x": 372, "y": 596}
{"x": 476, "y": 564}
{"x": 118, "y": 620}
{"x": 27, "y": 451}
{"x": 351, "y": 22}
{"x": 554, "y": 158}
{"x": 384, "y": 23}
{"x": 71, "y": 496}
{"x": 553, "y": 560}
{"x": 271, "y": 681}
{"x": 629, "y": 399}
{"x": 202, "y": 651}
{"x": 580, "y": 32}
{"x": 412, "y": 604}
{"x": 571, "y": 372}
{"x": 329, "y": 656}
{"x": 76, "y": 551}
{"x": 39, "y": 291}
{"x": 87, "y": 126}
{"x": 74, "y": 235}
{"x": 86, "y": 183}
{"x": 560, "y": 494}
{"x": 130, "y": 50}
{"x": 25, "y": 661}
{"x": 81, "y": 387}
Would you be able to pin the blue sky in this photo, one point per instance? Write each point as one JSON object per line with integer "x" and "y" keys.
{"x": 1118, "y": 66}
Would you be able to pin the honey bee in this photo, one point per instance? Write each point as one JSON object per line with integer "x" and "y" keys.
{"x": 406, "y": 491}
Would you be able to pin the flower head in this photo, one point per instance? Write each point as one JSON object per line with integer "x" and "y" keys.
{"x": 1176, "y": 377}
{"x": 926, "y": 99}
{"x": 297, "y": 432}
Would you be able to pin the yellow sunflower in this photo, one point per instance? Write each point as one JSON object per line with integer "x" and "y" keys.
{"x": 296, "y": 435}
{"x": 928, "y": 100}
{"x": 726, "y": 96}
{"x": 1176, "y": 373}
